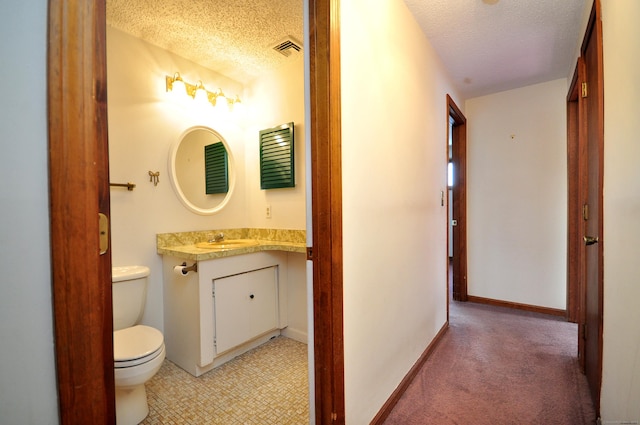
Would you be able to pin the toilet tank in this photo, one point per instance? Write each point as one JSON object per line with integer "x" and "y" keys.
{"x": 129, "y": 288}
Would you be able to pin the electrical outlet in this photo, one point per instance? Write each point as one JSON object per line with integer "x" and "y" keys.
{"x": 268, "y": 211}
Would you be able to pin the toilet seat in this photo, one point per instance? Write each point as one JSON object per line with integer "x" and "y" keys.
{"x": 136, "y": 345}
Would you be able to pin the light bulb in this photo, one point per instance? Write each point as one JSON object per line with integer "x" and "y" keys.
{"x": 237, "y": 105}
{"x": 200, "y": 95}
{"x": 222, "y": 105}
{"x": 176, "y": 88}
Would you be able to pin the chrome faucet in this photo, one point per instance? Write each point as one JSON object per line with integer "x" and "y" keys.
{"x": 219, "y": 237}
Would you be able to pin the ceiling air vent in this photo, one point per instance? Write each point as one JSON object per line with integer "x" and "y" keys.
{"x": 288, "y": 46}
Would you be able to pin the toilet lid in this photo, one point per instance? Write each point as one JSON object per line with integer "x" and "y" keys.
{"x": 136, "y": 342}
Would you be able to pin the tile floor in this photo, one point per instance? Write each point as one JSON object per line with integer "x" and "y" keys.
{"x": 267, "y": 385}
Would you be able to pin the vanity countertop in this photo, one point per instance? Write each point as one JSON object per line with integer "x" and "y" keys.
{"x": 183, "y": 245}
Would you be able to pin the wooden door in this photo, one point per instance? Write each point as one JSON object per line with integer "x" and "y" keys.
{"x": 459, "y": 159}
{"x": 78, "y": 192}
{"x": 593, "y": 238}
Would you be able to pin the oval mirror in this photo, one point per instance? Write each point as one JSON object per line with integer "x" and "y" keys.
{"x": 201, "y": 170}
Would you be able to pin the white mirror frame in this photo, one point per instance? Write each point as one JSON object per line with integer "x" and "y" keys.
{"x": 174, "y": 181}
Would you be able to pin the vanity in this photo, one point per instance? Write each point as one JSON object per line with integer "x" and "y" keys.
{"x": 225, "y": 291}
{"x": 232, "y": 295}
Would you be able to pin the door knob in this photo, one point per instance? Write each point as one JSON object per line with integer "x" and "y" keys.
{"x": 590, "y": 240}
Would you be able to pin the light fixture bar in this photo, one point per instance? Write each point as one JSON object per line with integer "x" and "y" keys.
{"x": 191, "y": 89}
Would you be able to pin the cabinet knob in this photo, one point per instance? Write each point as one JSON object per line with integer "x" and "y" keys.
{"x": 251, "y": 296}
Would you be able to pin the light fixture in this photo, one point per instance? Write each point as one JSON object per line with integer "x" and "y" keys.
{"x": 176, "y": 85}
{"x": 237, "y": 104}
{"x": 221, "y": 104}
{"x": 200, "y": 94}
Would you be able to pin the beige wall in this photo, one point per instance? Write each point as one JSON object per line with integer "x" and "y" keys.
{"x": 517, "y": 195}
{"x": 394, "y": 123}
{"x": 276, "y": 98}
{"x": 145, "y": 122}
{"x": 621, "y": 368}
{"x": 27, "y": 375}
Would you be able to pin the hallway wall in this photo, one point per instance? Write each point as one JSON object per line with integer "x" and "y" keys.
{"x": 621, "y": 357}
{"x": 517, "y": 195}
{"x": 394, "y": 164}
{"x": 28, "y": 393}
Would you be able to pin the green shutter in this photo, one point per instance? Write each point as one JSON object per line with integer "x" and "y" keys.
{"x": 277, "y": 157}
{"x": 216, "y": 165}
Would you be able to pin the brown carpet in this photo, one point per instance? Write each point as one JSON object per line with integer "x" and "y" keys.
{"x": 499, "y": 366}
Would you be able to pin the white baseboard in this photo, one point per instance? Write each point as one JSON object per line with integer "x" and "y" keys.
{"x": 295, "y": 334}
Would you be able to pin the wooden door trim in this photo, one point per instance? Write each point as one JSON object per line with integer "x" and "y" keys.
{"x": 78, "y": 190}
{"x": 596, "y": 88}
{"x": 576, "y": 198}
{"x": 326, "y": 176}
{"x": 460, "y": 290}
{"x": 574, "y": 201}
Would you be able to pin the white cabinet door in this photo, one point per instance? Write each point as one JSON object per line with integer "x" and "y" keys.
{"x": 245, "y": 306}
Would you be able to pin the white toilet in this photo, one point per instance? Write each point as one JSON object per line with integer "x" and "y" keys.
{"x": 138, "y": 350}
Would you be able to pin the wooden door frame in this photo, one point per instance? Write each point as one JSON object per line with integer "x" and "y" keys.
{"x": 78, "y": 176}
{"x": 578, "y": 123}
{"x": 596, "y": 90}
{"x": 78, "y": 191}
{"x": 326, "y": 181}
{"x": 576, "y": 198}
{"x": 459, "y": 158}
{"x": 576, "y": 193}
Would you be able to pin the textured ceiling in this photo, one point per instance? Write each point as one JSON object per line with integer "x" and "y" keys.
{"x": 232, "y": 37}
{"x": 486, "y": 47}
{"x": 512, "y": 43}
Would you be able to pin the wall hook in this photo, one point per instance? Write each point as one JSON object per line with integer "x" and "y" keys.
{"x": 154, "y": 177}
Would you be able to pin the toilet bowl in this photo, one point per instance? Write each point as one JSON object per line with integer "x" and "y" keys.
{"x": 138, "y": 354}
{"x": 138, "y": 350}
